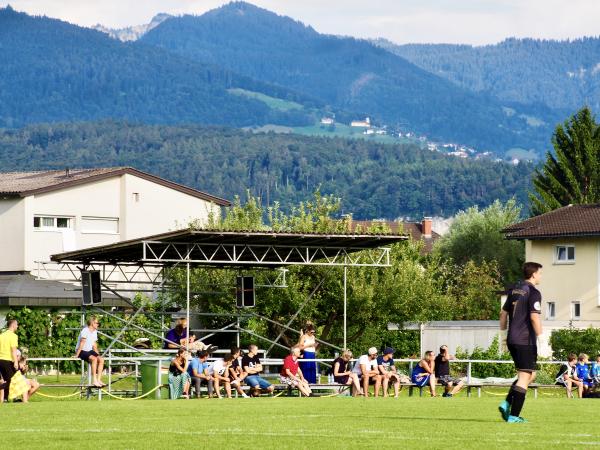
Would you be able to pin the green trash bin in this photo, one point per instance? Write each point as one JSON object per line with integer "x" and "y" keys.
{"x": 150, "y": 378}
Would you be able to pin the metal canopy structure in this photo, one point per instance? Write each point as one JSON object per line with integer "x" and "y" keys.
{"x": 148, "y": 256}
{"x": 240, "y": 249}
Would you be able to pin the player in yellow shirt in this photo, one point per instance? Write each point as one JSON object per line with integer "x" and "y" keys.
{"x": 9, "y": 360}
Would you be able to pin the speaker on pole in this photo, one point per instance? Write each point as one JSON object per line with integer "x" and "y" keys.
{"x": 244, "y": 292}
{"x": 91, "y": 287}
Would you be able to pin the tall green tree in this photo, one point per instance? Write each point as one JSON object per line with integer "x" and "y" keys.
{"x": 572, "y": 176}
{"x": 476, "y": 235}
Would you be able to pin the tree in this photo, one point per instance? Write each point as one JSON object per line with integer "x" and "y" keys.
{"x": 476, "y": 235}
{"x": 573, "y": 175}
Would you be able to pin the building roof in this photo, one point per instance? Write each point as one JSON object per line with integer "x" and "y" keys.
{"x": 568, "y": 221}
{"x": 413, "y": 229}
{"x": 23, "y": 289}
{"x": 24, "y": 184}
{"x": 230, "y": 248}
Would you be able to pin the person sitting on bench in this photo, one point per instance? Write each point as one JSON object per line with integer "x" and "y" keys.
{"x": 442, "y": 373}
{"x": 596, "y": 371}
{"x": 219, "y": 370}
{"x": 583, "y": 372}
{"x": 87, "y": 350}
{"x": 20, "y": 385}
{"x": 386, "y": 366}
{"x": 236, "y": 374}
{"x": 252, "y": 366}
{"x": 343, "y": 375}
{"x": 199, "y": 374}
{"x": 567, "y": 376}
{"x": 368, "y": 372}
{"x": 178, "y": 337}
{"x": 179, "y": 379}
{"x": 423, "y": 373}
{"x": 291, "y": 374}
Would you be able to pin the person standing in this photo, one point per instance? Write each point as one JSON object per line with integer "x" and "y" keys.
{"x": 308, "y": 346}
{"x": 87, "y": 350}
{"x": 522, "y": 314}
{"x": 9, "y": 359}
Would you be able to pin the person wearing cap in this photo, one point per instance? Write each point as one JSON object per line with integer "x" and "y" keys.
{"x": 386, "y": 366}
{"x": 367, "y": 370}
{"x": 442, "y": 373}
{"x": 178, "y": 337}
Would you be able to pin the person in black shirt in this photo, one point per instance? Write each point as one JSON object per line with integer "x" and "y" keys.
{"x": 442, "y": 373}
{"x": 252, "y": 366}
{"x": 521, "y": 312}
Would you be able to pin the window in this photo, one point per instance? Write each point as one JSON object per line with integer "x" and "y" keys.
{"x": 575, "y": 310}
{"x": 100, "y": 225}
{"x": 136, "y": 197}
{"x": 564, "y": 254}
{"x": 52, "y": 223}
{"x": 551, "y": 310}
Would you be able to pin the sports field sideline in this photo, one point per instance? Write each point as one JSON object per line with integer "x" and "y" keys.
{"x": 337, "y": 422}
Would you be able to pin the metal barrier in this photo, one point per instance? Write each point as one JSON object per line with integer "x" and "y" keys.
{"x": 160, "y": 356}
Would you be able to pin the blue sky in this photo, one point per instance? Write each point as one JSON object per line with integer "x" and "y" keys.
{"x": 454, "y": 21}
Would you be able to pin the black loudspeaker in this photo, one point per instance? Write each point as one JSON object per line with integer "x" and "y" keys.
{"x": 91, "y": 287}
{"x": 244, "y": 292}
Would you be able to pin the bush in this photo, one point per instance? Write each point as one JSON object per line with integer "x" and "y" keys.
{"x": 573, "y": 340}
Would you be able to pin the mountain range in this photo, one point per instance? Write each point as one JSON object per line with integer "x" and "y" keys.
{"x": 558, "y": 74}
{"x": 231, "y": 65}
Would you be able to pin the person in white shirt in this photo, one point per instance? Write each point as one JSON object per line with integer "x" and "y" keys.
{"x": 87, "y": 350}
{"x": 219, "y": 370}
{"x": 367, "y": 370}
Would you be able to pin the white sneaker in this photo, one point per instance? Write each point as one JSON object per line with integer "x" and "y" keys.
{"x": 245, "y": 396}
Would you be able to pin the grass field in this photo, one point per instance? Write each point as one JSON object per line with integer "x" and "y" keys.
{"x": 337, "y": 422}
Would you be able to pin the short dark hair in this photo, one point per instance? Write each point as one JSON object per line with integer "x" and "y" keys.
{"x": 428, "y": 353}
{"x": 9, "y": 322}
{"x": 443, "y": 347}
{"x": 233, "y": 350}
{"x": 529, "y": 268}
{"x": 202, "y": 354}
{"x": 572, "y": 357}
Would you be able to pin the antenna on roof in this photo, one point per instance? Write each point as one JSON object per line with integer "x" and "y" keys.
{"x": 67, "y": 174}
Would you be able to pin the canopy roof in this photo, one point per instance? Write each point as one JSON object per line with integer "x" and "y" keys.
{"x": 234, "y": 248}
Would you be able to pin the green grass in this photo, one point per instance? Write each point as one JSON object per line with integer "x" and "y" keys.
{"x": 339, "y": 422}
{"x": 271, "y": 102}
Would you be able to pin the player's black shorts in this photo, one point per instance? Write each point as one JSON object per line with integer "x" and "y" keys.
{"x": 524, "y": 356}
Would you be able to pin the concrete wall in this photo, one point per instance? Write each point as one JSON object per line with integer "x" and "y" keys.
{"x": 12, "y": 234}
{"x": 464, "y": 334}
{"x": 142, "y": 208}
{"x": 565, "y": 283}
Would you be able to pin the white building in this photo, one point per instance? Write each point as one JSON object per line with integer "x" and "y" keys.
{"x": 361, "y": 123}
{"x": 44, "y": 213}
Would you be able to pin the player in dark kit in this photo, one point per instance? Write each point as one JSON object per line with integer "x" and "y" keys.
{"x": 521, "y": 312}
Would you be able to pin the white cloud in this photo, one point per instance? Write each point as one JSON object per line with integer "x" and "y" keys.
{"x": 466, "y": 21}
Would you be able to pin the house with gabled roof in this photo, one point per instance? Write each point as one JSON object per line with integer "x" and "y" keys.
{"x": 48, "y": 212}
{"x": 566, "y": 242}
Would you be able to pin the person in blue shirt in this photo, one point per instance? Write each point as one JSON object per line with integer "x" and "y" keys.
{"x": 596, "y": 370}
{"x": 423, "y": 373}
{"x": 387, "y": 368}
{"x": 198, "y": 371}
{"x": 583, "y": 372}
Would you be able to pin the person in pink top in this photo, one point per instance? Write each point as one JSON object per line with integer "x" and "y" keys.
{"x": 291, "y": 374}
